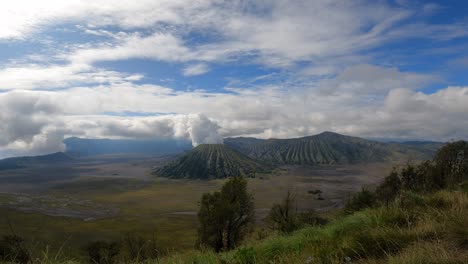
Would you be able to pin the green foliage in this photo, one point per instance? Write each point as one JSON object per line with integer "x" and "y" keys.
{"x": 211, "y": 161}
{"x": 245, "y": 256}
{"x": 225, "y": 216}
{"x": 362, "y": 200}
{"x": 12, "y": 249}
{"x": 102, "y": 252}
{"x": 138, "y": 248}
{"x": 452, "y": 162}
{"x": 419, "y": 233}
{"x": 448, "y": 169}
{"x": 284, "y": 216}
{"x": 390, "y": 188}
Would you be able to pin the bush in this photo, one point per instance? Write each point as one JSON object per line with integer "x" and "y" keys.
{"x": 138, "y": 248}
{"x": 284, "y": 216}
{"x": 12, "y": 249}
{"x": 452, "y": 163}
{"x": 389, "y": 189}
{"x": 362, "y": 200}
{"x": 102, "y": 252}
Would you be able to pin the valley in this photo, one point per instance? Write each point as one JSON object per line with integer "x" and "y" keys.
{"x": 105, "y": 197}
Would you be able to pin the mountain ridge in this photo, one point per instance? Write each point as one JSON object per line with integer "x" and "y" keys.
{"x": 327, "y": 148}
{"x": 211, "y": 161}
{"x": 24, "y": 161}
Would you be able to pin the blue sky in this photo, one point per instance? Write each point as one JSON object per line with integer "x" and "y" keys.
{"x": 208, "y": 69}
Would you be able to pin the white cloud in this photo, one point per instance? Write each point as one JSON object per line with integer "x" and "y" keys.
{"x": 196, "y": 69}
{"x": 35, "y": 76}
{"x": 36, "y": 121}
{"x": 20, "y": 18}
{"x": 326, "y": 78}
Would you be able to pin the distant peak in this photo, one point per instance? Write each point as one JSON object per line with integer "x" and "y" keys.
{"x": 329, "y": 133}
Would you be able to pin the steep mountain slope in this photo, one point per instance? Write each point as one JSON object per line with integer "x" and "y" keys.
{"x": 90, "y": 147}
{"x": 324, "y": 148}
{"x": 211, "y": 161}
{"x": 21, "y": 162}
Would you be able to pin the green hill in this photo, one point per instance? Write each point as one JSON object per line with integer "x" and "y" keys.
{"x": 21, "y": 162}
{"x": 211, "y": 161}
{"x": 326, "y": 148}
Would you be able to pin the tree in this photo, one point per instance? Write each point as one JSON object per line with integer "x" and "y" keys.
{"x": 409, "y": 178}
{"x": 452, "y": 162}
{"x": 390, "y": 188}
{"x": 225, "y": 216}
{"x": 284, "y": 216}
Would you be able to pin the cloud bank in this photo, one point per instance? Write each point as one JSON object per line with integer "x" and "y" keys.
{"x": 285, "y": 69}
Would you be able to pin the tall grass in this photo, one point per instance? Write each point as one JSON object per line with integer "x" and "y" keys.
{"x": 413, "y": 229}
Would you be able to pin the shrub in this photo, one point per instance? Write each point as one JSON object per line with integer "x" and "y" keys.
{"x": 452, "y": 162}
{"x": 311, "y": 218}
{"x": 389, "y": 189}
{"x": 138, "y": 248}
{"x": 12, "y": 249}
{"x": 284, "y": 216}
{"x": 361, "y": 200}
{"x": 102, "y": 252}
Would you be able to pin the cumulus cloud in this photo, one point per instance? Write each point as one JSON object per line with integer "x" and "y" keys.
{"x": 325, "y": 74}
{"x": 35, "y": 123}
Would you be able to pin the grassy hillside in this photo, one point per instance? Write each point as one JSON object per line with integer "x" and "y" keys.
{"x": 413, "y": 229}
{"x": 211, "y": 161}
{"x": 21, "y": 162}
{"x": 325, "y": 148}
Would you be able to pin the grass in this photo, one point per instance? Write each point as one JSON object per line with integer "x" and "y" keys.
{"x": 433, "y": 229}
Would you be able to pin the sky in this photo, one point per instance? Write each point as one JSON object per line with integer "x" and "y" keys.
{"x": 207, "y": 69}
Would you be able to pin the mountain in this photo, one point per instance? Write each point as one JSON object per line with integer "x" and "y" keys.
{"x": 326, "y": 148}
{"x": 21, "y": 162}
{"x": 211, "y": 161}
{"x": 90, "y": 147}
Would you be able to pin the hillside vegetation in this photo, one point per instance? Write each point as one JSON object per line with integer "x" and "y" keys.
{"x": 413, "y": 229}
{"x": 211, "y": 161}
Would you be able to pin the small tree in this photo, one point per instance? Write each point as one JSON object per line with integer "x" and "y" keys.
{"x": 225, "y": 216}
{"x": 284, "y": 216}
{"x": 389, "y": 189}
